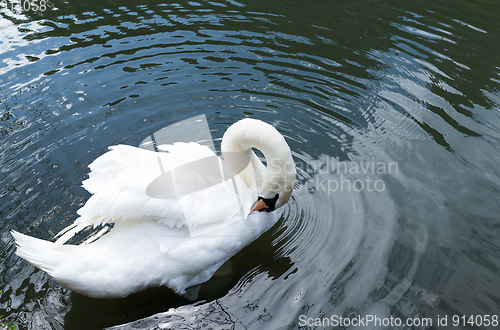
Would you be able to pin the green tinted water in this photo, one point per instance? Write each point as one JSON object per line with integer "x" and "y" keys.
{"x": 346, "y": 82}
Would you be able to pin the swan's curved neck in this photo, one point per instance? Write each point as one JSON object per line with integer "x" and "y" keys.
{"x": 279, "y": 176}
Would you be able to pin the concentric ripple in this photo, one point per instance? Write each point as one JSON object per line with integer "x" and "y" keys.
{"x": 391, "y": 110}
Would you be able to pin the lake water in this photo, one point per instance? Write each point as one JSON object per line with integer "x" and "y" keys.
{"x": 391, "y": 109}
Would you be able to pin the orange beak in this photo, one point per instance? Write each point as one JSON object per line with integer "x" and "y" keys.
{"x": 260, "y": 206}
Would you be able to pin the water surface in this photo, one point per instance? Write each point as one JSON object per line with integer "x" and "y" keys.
{"x": 354, "y": 86}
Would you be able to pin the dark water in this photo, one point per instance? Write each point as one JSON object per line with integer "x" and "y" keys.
{"x": 409, "y": 91}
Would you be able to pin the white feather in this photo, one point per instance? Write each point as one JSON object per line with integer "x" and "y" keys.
{"x": 173, "y": 242}
{"x": 118, "y": 182}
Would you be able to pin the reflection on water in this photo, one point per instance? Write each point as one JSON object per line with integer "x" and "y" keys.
{"x": 351, "y": 82}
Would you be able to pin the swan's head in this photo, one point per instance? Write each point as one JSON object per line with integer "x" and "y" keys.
{"x": 275, "y": 182}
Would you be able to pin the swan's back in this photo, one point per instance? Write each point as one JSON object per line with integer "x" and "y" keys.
{"x": 119, "y": 181}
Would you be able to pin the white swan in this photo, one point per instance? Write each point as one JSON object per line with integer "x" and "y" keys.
{"x": 152, "y": 243}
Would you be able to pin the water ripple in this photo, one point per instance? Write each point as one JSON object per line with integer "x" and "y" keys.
{"x": 413, "y": 84}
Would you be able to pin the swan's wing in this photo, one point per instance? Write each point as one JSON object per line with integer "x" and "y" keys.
{"x": 119, "y": 180}
{"x": 123, "y": 158}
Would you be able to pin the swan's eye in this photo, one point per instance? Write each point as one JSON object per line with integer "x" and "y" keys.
{"x": 265, "y": 204}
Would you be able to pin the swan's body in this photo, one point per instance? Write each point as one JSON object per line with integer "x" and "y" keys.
{"x": 152, "y": 241}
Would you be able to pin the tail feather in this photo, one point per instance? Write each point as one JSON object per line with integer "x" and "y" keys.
{"x": 32, "y": 250}
{"x": 67, "y": 233}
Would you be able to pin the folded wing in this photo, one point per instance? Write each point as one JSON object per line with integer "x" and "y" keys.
{"x": 119, "y": 181}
